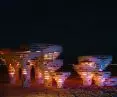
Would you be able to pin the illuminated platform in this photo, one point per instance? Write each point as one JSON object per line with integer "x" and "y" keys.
{"x": 91, "y": 68}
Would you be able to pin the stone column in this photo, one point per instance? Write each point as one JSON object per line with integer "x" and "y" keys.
{"x": 60, "y": 80}
{"x": 99, "y": 80}
{"x": 17, "y": 73}
{"x": 47, "y": 79}
{"x": 38, "y": 76}
{"x": 87, "y": 81}
{"x": 27, "y": 77}
{"x": 86, "y": 77}
{"x": 12, "y": 74}
{"x": 12, "y": 78}
{"x": 60, "y": 83}
{"x": 26, "y": 72}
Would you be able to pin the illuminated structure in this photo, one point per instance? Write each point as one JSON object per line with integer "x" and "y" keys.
{"x": 16, "y": 60}
{"x": 91, "y": 68}
{"x": 43, "y": 57}
{"x": 85, "y": 69}
{"x": 60, "y": 77}
{"x": 11, "y": 74}
{"x": 100, "y": 77}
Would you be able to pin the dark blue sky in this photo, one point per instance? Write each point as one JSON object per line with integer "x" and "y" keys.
{"x": 81, "y": 28}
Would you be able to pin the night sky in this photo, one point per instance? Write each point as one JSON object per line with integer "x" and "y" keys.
{"x": 81, "y": 28}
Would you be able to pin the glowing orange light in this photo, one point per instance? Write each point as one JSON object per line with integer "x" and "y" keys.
{"x": 60, "y": 80}
{"x": 47, "y": 77}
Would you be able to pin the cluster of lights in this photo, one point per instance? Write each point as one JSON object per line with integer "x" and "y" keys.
{"x": 61, "y": 77}
{"x": 89, "y": 71}
{"x": 46, "y": 75}
{"x": 99, "y": 80}
{"x": 86, "y": 74}
{"x": 50, "y": 56}
{"x": 18, "y": 64}
{"x": 12, "y": 73}
{"x": 40, "y": 74}
{"x": 60, "y": 80}
{"x": 24, "y": 71}
{"x": 11, "y": 70}
{"x": 56, "y": 54}
{"x": 85, "y": 69}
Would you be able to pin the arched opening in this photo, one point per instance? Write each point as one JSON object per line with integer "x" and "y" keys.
{"x": 4, "y": 76}
{"x": 32, "y": 73}
{"x": 20, "y": 73}
{"x": 54, "y": 83}
{"x": 93, "y": 81}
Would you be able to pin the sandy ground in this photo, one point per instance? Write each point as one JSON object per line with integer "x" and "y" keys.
{"x": 8, "y": 90}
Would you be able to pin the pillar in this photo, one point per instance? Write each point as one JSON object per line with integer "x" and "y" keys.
{"x": 99, "y": 81}
{"x": 87, "y": 81}
{"x": 60, "y": 80}
{"x": 26, "y": 77}
{"x": 38, "y": 76}
{"x": 12, "y": 78}
{"x": 25, "y": 72}
{"x": 17, "y": 73}
{"x": 47, "y": 79}
{"x": 86, "y": 77}
{"x": 60, "y": 83}
{"x": 12, "y": 74}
